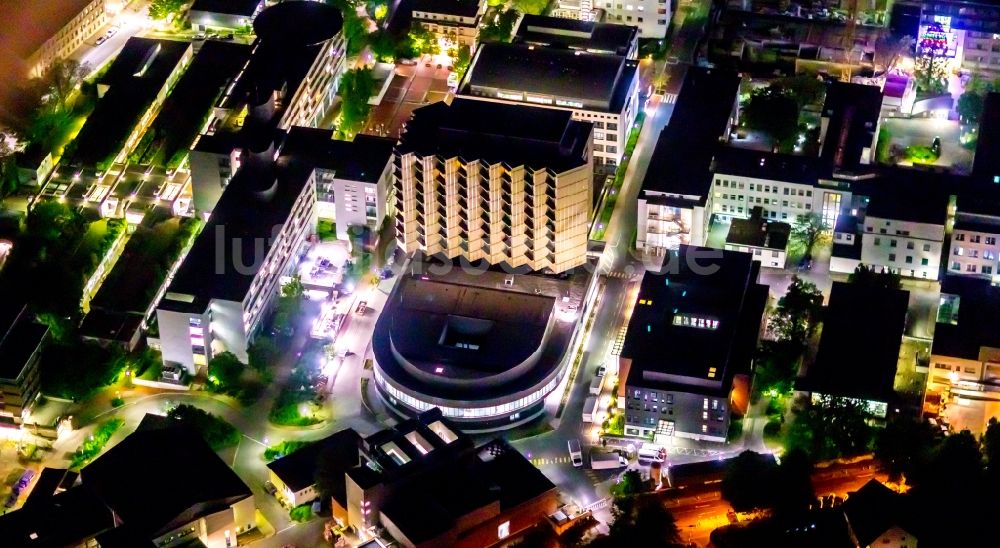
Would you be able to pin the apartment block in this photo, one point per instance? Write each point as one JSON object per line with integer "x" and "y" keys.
{"x": 353, "y": 178}
{"x": 598, "y": 88}
{"x": 64, "y": 28}
{"x": 223, "y": 14}
{"x": 226, "y": 285}
{"x": 766, "y": 241}
{"x": 694, "y": 330}
{"x": 974, "y": 248}
{"x": 21, "y": 340}
{"x": 651, "y": 16}
{"x": 495, "y": 182}
{"x": 905, "y": 236}
{"x": 453, "y": 22}
{"x": 675, "y": 204}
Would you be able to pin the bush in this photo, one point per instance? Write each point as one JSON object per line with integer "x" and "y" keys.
{"x": 218, "y": 433}
{"x": 117, "y": 402}
{"x": 301, "y": 513}
{"x": 96, "y": 442}
{"x": 287, "y": 409}
{"x": 283, "y": 449}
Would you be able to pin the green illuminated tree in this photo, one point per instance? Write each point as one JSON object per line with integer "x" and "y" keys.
{"x": 774, "y": 111}
{"x": 161, "y": 9}
{"x": 224, "y": 371}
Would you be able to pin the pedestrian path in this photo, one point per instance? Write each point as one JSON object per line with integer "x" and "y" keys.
{"x": 669, "y": 98}
{"x": 543, "y": 461}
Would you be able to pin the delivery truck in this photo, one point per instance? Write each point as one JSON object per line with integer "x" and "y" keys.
{"x": 590, "y": 408}
{"x": 606, "y": 460}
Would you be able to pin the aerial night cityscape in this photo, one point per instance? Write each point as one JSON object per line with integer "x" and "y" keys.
{"x": 499, "y": 273}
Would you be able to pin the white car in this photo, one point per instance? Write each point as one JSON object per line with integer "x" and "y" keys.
{"x": 101, "y": 40}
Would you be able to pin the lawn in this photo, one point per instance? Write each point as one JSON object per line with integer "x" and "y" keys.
{"x": 326, "y": 230}
{"x": 919, "y": 154}
{"x": 295, "y": 407}
{"x": 96, "y": 442}
{"x": 283, "y": 449}
{"x": 611, "y": 197}
{"x": 301, "y": 513}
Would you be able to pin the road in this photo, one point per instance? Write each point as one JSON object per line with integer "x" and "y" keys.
{"x": 132, "y": 21}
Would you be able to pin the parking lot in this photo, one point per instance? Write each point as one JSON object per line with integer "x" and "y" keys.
{"x": 412, "y": 87}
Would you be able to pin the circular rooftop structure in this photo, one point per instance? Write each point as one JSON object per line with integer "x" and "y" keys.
{"x": 298, "y": 23}
{"x": 486, "y": 355}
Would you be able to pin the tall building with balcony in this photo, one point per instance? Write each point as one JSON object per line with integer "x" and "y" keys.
{"x": 495, "y": 182}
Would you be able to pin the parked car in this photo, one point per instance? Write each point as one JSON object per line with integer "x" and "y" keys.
{"x": 270, "y": 488}
{"x": 601, "y": 371}
{"x": 101, "y": 40}
{"x": 408, "y": 62}
{"x": 673, "y": 60}
{"x": 111, "y": 32}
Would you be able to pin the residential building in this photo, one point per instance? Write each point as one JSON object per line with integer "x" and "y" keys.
{"x": 353, "y": 179}
{"x": 427, "y": 485}
{"x": 963, "y": 29}
{"x": 485, "y": 347}
{"x": 131, "y": 93}
{"x": 694, "y": 329}
{"x": 858, "y": 316}
{"x": 223, "y": 14}
{"x": 63, "y": 29}
{"x": 765, "y": 240}
{"x": 209, "y": 504}
{"x": 453, "y": 22}
{"x": 965, "y": 355}
{"x": 495, "y": 182}
{"x": 597, "y": 88}
{"x": 578, "y": 35}
{"x": 879, "y": 517}
{"x": 21, "y": 340}
{"x": 651, "y": 16}
{"x": 226, "y": 285}
{"x": 581, "y": 10}
{"x": 974, "y": 250}
{"x": 904, "y": 233}
{"x": 294, "y": 475}
{"x": 675, "y": 203}
{"x": 290, "y": 80}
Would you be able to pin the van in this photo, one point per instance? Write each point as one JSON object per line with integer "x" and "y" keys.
{"x": 575, "y": 454}
{"x": 651, "y": 454}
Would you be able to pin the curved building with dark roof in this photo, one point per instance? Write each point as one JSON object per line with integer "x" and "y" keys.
{"x": 486, "y": 348}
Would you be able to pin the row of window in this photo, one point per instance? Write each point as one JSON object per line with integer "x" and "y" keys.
{"x": 974, "y": 253}
{"x": 773, "y": 189}
{"x": 909, "y": 245}
{"x": 971, "y": 268}
{"x": 909, "y": 260}
{"x": 975, "y": 238}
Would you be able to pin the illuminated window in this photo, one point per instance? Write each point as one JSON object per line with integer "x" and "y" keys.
{"x": 711, "y": 372}
{"x": 503, "y": 530}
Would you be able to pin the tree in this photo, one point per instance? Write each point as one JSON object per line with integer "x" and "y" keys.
{"x": 462, "y": 59}
{"x": 903, "y": 445}
{"x": 832, "y": 428}
{"x": 422, "y": 41}
{"x": 640, "y": 521}
{"x": 261, "y": 352}
{"x": 991, "y": 449}
{"x": 747, "y": 481}
{"x": 500, "y": 28}
{"x": 931, "y": 73}
{"x": 356, "y": 87}
{"x": 218, "y": 433}
{"x": 774, "y": 111}
{"x": 970, "y": 107}
{"x": 867, "y": 276}
{"x": 792, "y": 487}
{"x": 630, "y": 484}
{"x": 9, "y": 178}
{"x": 224, "y": 370}
{"x": 161, "y": 9}
{"x": 383, "y": 45}
{"x": 775, "y": 367}
{"x": 794, "y": 319}
{"x": 808, "y": 228}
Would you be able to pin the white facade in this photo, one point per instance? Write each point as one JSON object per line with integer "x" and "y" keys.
{"x": 666, "y": 221}
{"x": 72, "y": 35}
{"x": 974, "y": 249}
{"x": 318, "y": 91}
{"x": 766, "y": 256}
{"x": 910, "y": 249}
{"x": 981, "y": 51}
{"x": 353, "y": 203}
{"x": 190, "y": 336}
{"x": 734, "y": 196}
{"x": 651, "y": 16}
{"x": 461, "y": 30}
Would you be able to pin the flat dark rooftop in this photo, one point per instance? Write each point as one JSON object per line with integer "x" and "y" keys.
{"x": 858, "y": 317}
{"x": 576, "y": 34}
{"x": 67, "y": 519}
{"x": 20, "y": 336}
{"x": 463, "y": 8}
{"x": 299, "y": 23}
{"x": 908, "y": 196}
{"x": 228, "y": 7}
{"x": 789, "y": 168}
{"x": 683, "y": 155}
{"x": 506, "y": 326}
{"x": 853, "y": 110}
{"x": 986, "y": 162}
{"x": 695, "y": 283}
{"x": 592, "y": 79}
{"x": 209, "y": 485}
{"x": 245, "y": 215}
{"x": 759, "y": 232}
{"x": 298, "y": 469}
{"x": 363, "y": 159}
{"x": 493, "y": 132}
{"x": 134, "y": 79}
{"x": 978, "y": 304}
